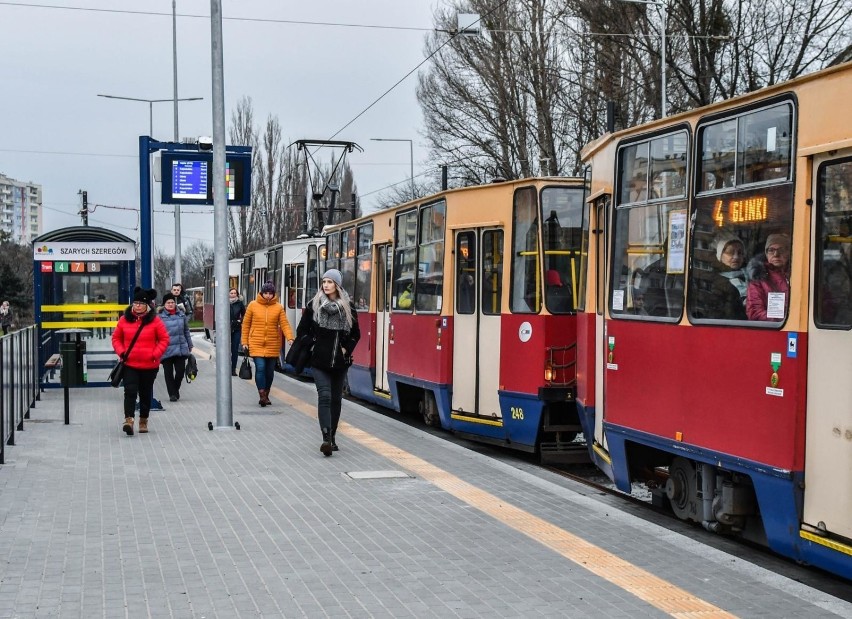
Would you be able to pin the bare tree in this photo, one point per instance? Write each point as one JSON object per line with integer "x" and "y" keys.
{"x": 164, "y": 271}
{"x": 194, "y": 259}
{"x": 527, "y": 95}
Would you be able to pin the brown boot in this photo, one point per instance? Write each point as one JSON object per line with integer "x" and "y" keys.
{"x": 266, "y": 400}
{"x": 143, "y": 425}
{"x": 128, "y": 426}
{"x": 262, "y": 393}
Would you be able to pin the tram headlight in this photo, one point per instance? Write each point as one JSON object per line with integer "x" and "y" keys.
{"x": 548, "y": 372}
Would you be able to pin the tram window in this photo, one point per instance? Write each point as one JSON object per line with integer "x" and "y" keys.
{"x": 466, "y": 272}
{"x": 763, "y": 145}
{"x": 365, "y": 267}
{"x": 333, "y": 254}
{"x": 562, "y": 238}
{"x": 430, "y": 257}
{"x": 833, "y": 278}
{"x": 404, "y": 261}
{"x": 492, "y": 271}
{"x": 649, "y": 249}
{"x": 312, "y": 280}
{"x": 526, "y": 272}
{"x": 755, "y": 147}
{"x": 348, "y": 249}
{"x": 295, "y": 274}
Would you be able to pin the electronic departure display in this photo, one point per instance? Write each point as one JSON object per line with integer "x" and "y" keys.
{"x": 188, "y": 179}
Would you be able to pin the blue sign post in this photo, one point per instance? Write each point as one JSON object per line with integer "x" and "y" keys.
{"x": 187, "y": 173}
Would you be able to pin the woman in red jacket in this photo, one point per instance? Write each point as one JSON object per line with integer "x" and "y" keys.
{"x": 143, "y": 362}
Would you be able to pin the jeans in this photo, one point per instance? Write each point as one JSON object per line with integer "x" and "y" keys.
{"x": 141, "y": 383}
{"x": 329, "y": 396}
{"x": 174, "y": 369}
{"x": 235, "y": 348}
{"x": 264, "y": 371}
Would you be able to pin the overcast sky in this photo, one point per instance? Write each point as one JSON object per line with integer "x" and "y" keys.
{"x": 56, "y": 131}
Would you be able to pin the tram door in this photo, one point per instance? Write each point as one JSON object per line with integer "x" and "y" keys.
{"x": 476, "y": 322}
{"x": 384, "y": 260}
{"x": 828, "y": 458}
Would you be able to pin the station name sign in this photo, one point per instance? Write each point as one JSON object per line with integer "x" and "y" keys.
{"x": 85, "y": 251}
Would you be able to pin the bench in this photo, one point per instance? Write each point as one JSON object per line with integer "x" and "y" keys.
{"x": 52, "y": 364}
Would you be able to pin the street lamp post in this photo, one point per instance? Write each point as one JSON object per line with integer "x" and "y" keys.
{"x": 663, "y": 9}
{"x": 410, "y": 157}
{"x": 150, "y": 103}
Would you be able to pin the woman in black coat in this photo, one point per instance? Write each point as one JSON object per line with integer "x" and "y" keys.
{"x": 332, "y": 323}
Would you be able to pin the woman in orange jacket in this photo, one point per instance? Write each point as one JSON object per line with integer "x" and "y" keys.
{"x": 263, "y": 323}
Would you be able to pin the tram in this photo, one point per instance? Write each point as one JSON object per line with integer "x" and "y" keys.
{"x": 719, "y": 315}
{"x": 467, "y": 305}
{"x": 209, "y": 297}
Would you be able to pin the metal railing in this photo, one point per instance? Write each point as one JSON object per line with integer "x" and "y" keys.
{"x": 19, "y": 383}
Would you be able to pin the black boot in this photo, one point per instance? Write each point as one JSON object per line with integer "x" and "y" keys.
{"x": 334, "y": 446}
{"x": 326, "y": 448}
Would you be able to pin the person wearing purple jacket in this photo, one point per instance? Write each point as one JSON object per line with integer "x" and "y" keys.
{"x": 768, "y": 292}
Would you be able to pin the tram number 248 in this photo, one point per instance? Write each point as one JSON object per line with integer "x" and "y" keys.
{"x": 517, "y": 413}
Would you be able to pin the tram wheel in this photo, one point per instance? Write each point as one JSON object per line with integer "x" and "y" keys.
{"x": 681, "y": 488}
{"x": 429, "y": 409}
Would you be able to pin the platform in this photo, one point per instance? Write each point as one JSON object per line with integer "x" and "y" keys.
{"x": 185, "y": 522}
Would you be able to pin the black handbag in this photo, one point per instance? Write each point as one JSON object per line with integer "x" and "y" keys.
{"x": 245, "y": 369}
{"x": 116, "y": 375}
{"x": 191, "y": 368}
{"x": 299, "y": 355}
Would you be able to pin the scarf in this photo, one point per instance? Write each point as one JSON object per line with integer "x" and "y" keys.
{"x": 331, "y": 316}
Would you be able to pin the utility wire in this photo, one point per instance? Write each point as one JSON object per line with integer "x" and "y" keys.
{"x": 197, "y": 16}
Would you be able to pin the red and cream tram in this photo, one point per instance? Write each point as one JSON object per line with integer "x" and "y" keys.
{"x": 720, "y": 314}
{"x": 467, "y": 309}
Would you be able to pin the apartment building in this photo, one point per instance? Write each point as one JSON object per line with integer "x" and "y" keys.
{"x": 20, "y": 209}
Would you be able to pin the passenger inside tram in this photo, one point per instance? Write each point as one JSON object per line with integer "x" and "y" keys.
{"x": 769, "y": 280}
{"x": 559, "y": 297}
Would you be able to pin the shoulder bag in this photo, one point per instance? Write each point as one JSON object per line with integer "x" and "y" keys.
{"x": 117, "y": 373}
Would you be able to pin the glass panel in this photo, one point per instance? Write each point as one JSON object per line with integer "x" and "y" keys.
{"x": 763, "y": 145}
{"x": 492, "y": 271}
{"x": 668, "y": 166}
{"x": 562, "y": 235}
{"x": 833, "y": 285}
{"x": 526, "y": 271}
{"x": 404, "y": 261}
{"x": 633, "y": 178}
{"x": 333, "y": 257}
{"x": 365, "y": 267}
{"x": 718, "y": 156}
{"x": 430, "y": 266}
{"x": 312, "y": 282}
{"x": 466, "y": 273}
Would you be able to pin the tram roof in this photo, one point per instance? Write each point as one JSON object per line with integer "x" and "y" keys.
{"x": 82, "y": 233}
{"x": 454, "y": 190}
{"x": 596, "y": 145}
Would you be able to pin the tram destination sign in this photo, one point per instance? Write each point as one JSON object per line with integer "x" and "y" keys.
{"x": 84, "y": 251}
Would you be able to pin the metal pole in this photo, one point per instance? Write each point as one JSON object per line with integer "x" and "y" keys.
{"x": 177, "y": 139}
{"x": 411, "y": 165}
{"x": 150, "y": 119}
{"x": 145, "y": 211}
{"x": 224, "y": 407}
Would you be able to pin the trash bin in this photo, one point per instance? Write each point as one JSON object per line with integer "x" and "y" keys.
{"x": 73, "y": 371}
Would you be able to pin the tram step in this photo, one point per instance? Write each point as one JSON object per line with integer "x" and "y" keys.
{"x": 562, "y": 427}
{"x": 564, "y": 453}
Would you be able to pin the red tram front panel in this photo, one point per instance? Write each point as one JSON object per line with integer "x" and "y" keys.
{"x": 709, "y": 387}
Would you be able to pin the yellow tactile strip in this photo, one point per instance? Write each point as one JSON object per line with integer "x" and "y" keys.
{"x": 652, "y": 589}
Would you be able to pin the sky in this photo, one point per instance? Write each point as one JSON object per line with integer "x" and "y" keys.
{"x": 55, "y": 131}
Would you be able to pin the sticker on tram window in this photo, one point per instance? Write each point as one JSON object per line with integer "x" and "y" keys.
{"x": 618, "y": 300}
